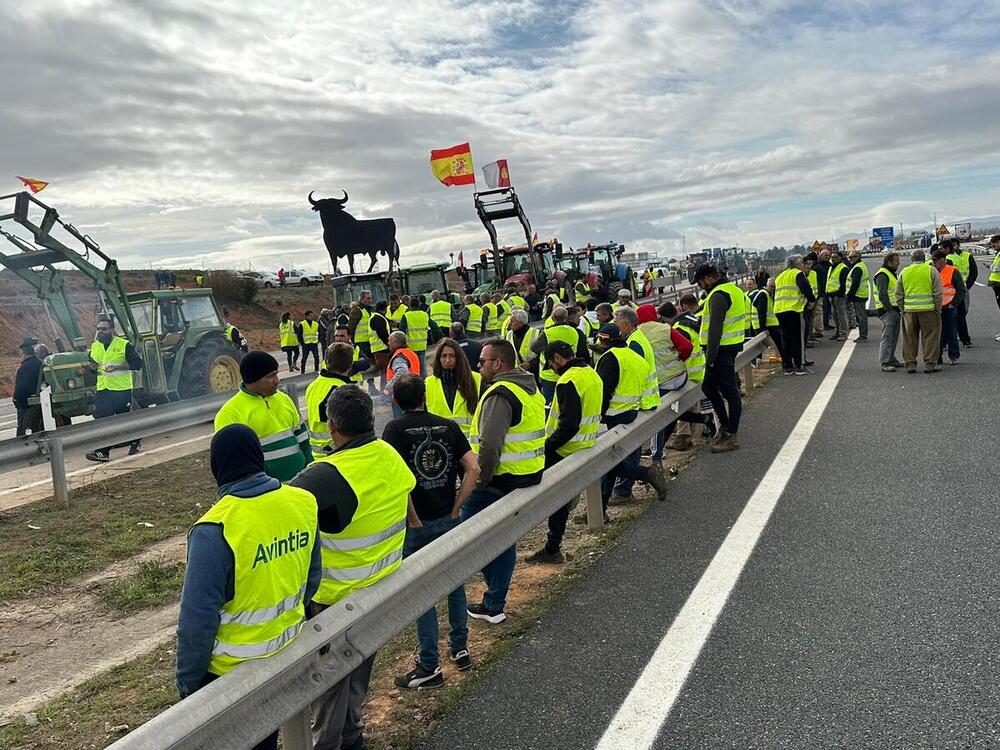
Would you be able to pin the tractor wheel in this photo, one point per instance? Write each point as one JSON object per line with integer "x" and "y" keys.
{"x": 213, "y": 367}
{"x": 613, "y": 288}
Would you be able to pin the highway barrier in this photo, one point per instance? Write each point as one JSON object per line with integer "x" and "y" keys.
{"x": 244, "y": 706}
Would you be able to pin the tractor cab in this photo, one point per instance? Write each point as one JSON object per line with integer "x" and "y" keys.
{"x": 348, "y": 287}
{"x": 605, "y": 260}
{"x": 484, "y": 273}
{"x": 426, "y": 278}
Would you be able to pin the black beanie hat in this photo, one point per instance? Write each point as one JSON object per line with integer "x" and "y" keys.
{"x": 256, "y": 365}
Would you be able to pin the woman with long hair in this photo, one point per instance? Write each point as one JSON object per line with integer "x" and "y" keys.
{"x": 453, "y": 388}
{"x": 289, "y": 340}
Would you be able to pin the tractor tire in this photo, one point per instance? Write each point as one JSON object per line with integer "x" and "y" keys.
{"x": 613, "y": 287}
{"x": 213, "y": 367}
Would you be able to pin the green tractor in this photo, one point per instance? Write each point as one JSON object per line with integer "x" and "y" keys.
{"x": 425, "y": 278}
{"x": 179, "y": 333}
{"x": 347, "y": 288}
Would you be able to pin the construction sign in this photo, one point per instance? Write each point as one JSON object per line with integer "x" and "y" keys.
{"x": 943, "y": 230}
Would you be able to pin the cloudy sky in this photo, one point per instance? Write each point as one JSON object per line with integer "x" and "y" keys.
{"x": 184, "y": 132}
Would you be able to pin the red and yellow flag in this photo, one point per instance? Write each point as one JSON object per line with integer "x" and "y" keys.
{"x": 453, "y": 166}
{"x": 35, "y": 186}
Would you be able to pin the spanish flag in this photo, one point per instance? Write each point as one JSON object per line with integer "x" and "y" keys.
{"x": 35, "y": 186}
{"x": 453, "y": 166}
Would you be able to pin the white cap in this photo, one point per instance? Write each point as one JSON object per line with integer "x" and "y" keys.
{"x": 624, "y": 293}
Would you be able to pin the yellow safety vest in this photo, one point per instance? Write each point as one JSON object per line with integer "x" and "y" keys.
{"x": 523, "y": 450}
{"x": 836, "y": 279}
{"x": 733, "y": 325}
{"x": 581, "y": 291}
{"x": 459, "y": 412}
{"x": 590, "y": 389}
{"x": 358, "y": 376}
{"x": 417, "y": 323}
{"x": 397, "y": 315}
{"x": 475, "y": 318}
{"x": 271, "y": 537}
{"x": 114, "y": 354}
{"x": 310, "y": 332}
{"x": 287, "y": 332}
{"x": 503, "y": 313}
{"x": 523, "y": 352}
{"x": 787, "y": 295}
{"x": 668, "y": 362}
{"x": 516, "y": 300}
{"x": 278, "y": 425}
{"x": 995, "y": 269}
{"x": 492, "y": 321}
{"x": 317, "y": 392}
{"x": 890, "y": 287}
{"x": 554, "y": 299}
{"x": 371, "y": 547}
{"x": 918, "y": 289}
{"x": 374, "y": 342}
{"x": 632, "y": 371}
{"x": 651, "y": 386}
{"x": 814, "y": 282}
{"x": 863, "y": 290}
{"x": 561, "y": 332}
{"x": 362, "y": 332}
{"x": 441, "y": 314}
{"x": 771, "y": 319}
{"x": 695, "y": 363}
{"x": 961, "y": 260}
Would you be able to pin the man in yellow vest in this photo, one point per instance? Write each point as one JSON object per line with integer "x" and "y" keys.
{"x": 360, "y": 365}
{"x": 791, "y": 294}
{"x": 114, "y": 358}
{"x": 722, "y": 324}
{"x": 686, "y": 325}
{"x": 836, "y": 291}
{"x": 336, "y": 372}
{"x": 491, "y": 326}
{"x": 378, "y": 340}
{"x": 884, "y": 282}
{"x": 472, "y": 317}
{"x": 508, "y": 435}
{"x": 994, "y": 278}
{"x": 572, "y": 426}
{"x": 362, "y": 490}
{"x": 418, "y": 327}
{"x": 953, "y": 294}
{"x": 288, "y": 339}
{"x": 624, "y": 299}
{"x": 437, "y": 452}
{"x": 857, "y": 294}
{"x": 919, "y": 296}
{"x": 763, "y": 317}
{"x": 966, "y": 265}
{"x": 396, "y": 310}
{"x": 557, "y": 328}
{"x": 358, "y": 323}
{"x": 271, "y": 414}
{"x": 309, "y": 328}
{"x": 253, "y": 563}
{"x": 503, "y": 313}
{"x": 440, "y": 311}
{"x": 522, "y": 337}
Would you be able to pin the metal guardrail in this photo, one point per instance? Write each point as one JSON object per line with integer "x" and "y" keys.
{"x": 246, "y": 705}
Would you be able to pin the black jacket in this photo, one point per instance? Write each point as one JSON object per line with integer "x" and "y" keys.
{"x": 26, "y": 381}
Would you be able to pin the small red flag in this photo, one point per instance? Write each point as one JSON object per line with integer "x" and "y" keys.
{"x": 461, "y": 258}
{"x": 35, "y": 186}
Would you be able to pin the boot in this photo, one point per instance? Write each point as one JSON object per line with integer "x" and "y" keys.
{"x": 725, "y": 443}
{"x": 680, "y": 443}
{"x": 655, "y": 479}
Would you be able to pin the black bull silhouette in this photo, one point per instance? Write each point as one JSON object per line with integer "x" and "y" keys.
{"x": 346, "y": 236}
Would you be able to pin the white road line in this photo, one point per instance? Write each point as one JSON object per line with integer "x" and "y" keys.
{"x": 637, "y": 723}
{"x": 111, "y": 463}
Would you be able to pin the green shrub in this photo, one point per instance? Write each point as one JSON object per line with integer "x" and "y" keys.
{"x": 231, "y": 287}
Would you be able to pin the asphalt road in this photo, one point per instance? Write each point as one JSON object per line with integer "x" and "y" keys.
{"x": 866, "y": 615}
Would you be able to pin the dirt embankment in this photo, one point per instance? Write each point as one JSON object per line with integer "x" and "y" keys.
{"x": 23, "y": 314}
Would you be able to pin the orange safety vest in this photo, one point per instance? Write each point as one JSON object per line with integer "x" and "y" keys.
{"x": 947, "y": 286}
{"x": 412, "y": 361}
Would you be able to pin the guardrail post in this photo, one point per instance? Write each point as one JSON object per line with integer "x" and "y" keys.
{"x": 293, "y": 392}
{"x": 595, "y": 508}
{"x": 748, "y": 379}
{"x": 60, "y": 487}
{"x": 296, "y": 733}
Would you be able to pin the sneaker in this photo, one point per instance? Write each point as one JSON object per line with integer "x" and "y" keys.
{"x": 479, "y": 612}
{"x": 420, "y": 678}
{"x": 952, "y": 362}
{"x": 935, "y": 368}
{"x": 859, "y": 339}
{"x": 710, "y": 429}
{"x": 888, "y": 368}
{"x": 801, "y": 371}
{"x": 461, "y": 660}
{"x": 897, "y": 363}
{"x": 99, "y": 456}
{"x": 728, "y": 443}
{"x": 817, "y": 335}
{"x": 544, "y": 557}
{"x": 967, "y": 344}
{"x": 789, "y": 372}
{"x": 911, "y": 370}
{"x": 680, "y": 443}
{"x": 810, "y": 346}
{"x": 135, "y": 448}
{"x": 655, "y": 479}
{"x": 808, "y": 363}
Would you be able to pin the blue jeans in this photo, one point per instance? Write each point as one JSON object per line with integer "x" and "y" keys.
{"x": 629, "y": 471}
{"x": 498, "y": 573}
{"x": 548, "y": 390}
{"x": 949, "y": 332}
{"x": 427, "y": 623}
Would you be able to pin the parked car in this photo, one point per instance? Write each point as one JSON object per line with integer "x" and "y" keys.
{"x": 295, "y": 277}
{"x": 263, "y": 279}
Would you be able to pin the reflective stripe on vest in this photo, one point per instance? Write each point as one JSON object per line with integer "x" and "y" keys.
{"x": 272, "y": 537}
{"x": 523, "y": 449}
{"x": 523, "y": 351}
{"x": 374, "y": 342}
{"x": 590, "y": 390}
{"x": 835, "y": 278}
{"x": 362, "y": 332}
{"x": 371, "y": 547}
{"x": 918, "y": 289}
{"x": 121, "y": 378}
{"x": 863, "y": 290}
{"x": 695, "y": 363}
{"x": 814, "y": 282}
{"x": 475, "y": 318}
{"x": 437, "y": 404}
{"x": 947, "y": 285}
{"x": 668, "y": 362}
{"x": 733, "y": 325}
{"x": 278, "y": 425}
{"x": 787, "y": 295}
{"x": 310, "y": 332}
{"x": 632, "y": 371}
{"x": 287, "y": 332}
{"x": 417, "y": 323}
{"x": 890, "y": 287}
{"x": 561, "y": 332}
{"x": 492, "y": 321}
{"x": 317, "y": 392}
{"x": 396, "y": 315}
{"x": 441, "y": 313}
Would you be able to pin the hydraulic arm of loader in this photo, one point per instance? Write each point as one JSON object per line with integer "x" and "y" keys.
{"x": 35, "y": 264}
{"x": 494, "y": 205}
